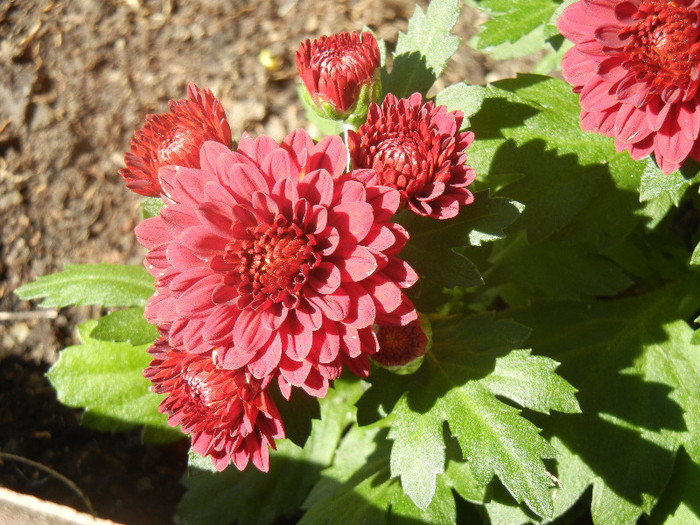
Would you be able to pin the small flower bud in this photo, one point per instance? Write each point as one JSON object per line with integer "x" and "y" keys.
{"x": 402, "y": 348}
{"x": 340, "y": 74}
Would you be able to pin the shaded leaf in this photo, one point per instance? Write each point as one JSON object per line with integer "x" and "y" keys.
{"x": 636, "y": 373}
{"x": 357, "y": 488}
{"x": 454, "y": 387}
{"x": 573, "y": 183}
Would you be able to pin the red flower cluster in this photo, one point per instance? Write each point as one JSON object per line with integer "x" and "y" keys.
{"x": 274, "y": 264}
{"x": 636, "y": 67}
{"x": 270, "y": 263}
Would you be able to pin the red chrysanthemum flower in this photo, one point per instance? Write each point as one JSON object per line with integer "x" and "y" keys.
{"x": 418, "y": 149}
{"x": 276, "y": 258}
{"x": 635, "y": 65}
{"x": 174, "y": 138}
{"x": 335, "y": 69}
{"x": 399, "y": 345}
{"x": 230, "y": 415}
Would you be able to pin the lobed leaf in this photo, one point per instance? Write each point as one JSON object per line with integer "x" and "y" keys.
{"x": 422, "y": 52}
{"x": 454, "y": 386}
{"x": 516, "y": 27}
{"x": 636, "y": 371}
{"x": 358, "y": 489}
{"x": 573, "y": 183}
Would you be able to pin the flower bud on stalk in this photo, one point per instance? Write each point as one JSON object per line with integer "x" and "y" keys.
{"x": 340, "y": 75}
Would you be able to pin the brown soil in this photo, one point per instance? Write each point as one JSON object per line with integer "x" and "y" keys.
{"x": 78, "y": 78}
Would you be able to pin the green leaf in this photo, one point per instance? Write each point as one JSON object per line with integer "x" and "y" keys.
{"x": 695, "y": 258}
{"x": 106, "y": 379}
{"x": 461, "y": 97}
{"x": 125, "y": 326}
{"x": 637, "y": 378}
{"x": 423, "y": 51}
{"x": 98, "y": 284}
{"x": 357, "y": 488}
{"x": 454, "y": 387}
{"x": 530, "y": 381}
{"x": 573, "y": 183}
{"x": 655, "y": 184}
{"x": 418, "y": 454}
{"x": 254, "y": 497}
{"x": 432, "y": 250}
{"x": 557, "y": 269}
{"x": 512, "y": 21}
{"x": 150, "y": 207}
{"x": 680, "y": 503}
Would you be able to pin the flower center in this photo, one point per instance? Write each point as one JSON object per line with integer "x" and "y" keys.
{"x": 272, "y": 265}
{"x": 199, "y": 388}
{"x": 664, "y": 48}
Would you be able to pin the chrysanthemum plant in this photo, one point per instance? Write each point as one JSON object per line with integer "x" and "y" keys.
{"x": 473, "y": 304}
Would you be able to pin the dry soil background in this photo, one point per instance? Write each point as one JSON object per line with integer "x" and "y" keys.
{"x": 77, "y": 79}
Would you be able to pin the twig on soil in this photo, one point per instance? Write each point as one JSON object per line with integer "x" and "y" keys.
{"x": 52, "y": 472}
{"x": 28, "y": 316}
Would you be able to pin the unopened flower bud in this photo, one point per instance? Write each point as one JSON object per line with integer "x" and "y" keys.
{"x": 340, "y": 74}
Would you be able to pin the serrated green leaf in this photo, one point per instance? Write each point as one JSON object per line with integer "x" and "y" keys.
{"x": 125, "y": 326}
{"x": 498, "y": 441}
{"x": 106, "y": 379}
{"x": 530, "y": 381}
{"x": 150, "y": 207}
{"x": 655, "y": 184}
{"x": 98, "y": 284}
{"x": 574, "y": 183}
{"x": 494, "y": 437}
{"x": 423, "y": 51}
{"x": 357, "y": 488}
{"x": 417, "y": 464}
{"x": 511, "y": 22}
{"x": 254, "y": 497}
{"x": 634, "y": 367}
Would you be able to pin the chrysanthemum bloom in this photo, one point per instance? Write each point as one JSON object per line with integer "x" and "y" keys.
{"x": 399, "y": 345}
{"x": 230, "y": 415}
{"x": 418, "y": 149}
{"x": 276, "y": 258}
{"x": 340, "y": 73}
{"x": 635, "y": 65}
{"x": 174, "y": 138}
